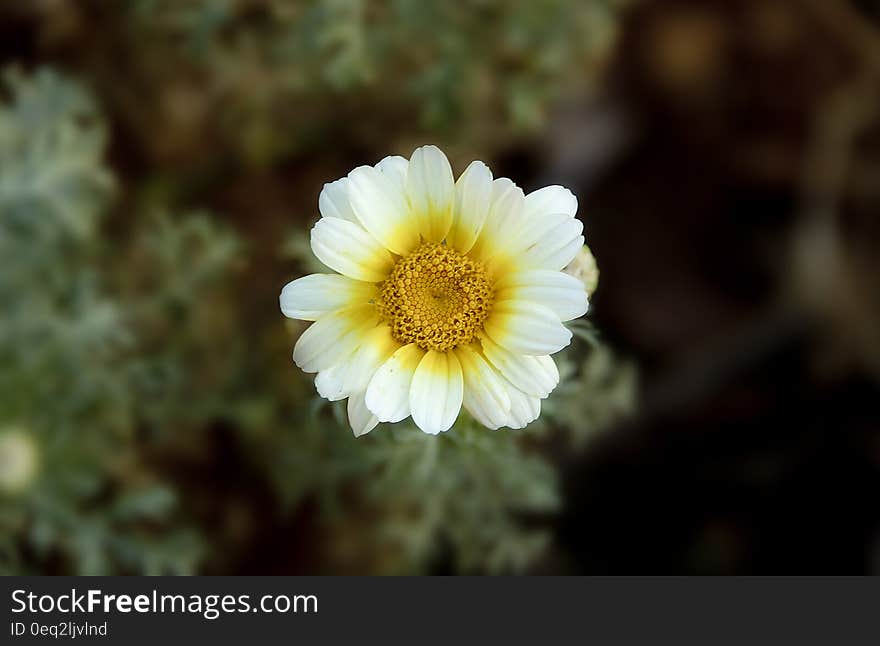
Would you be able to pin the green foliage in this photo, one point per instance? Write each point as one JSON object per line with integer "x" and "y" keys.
{"x": 464, "y": 491}
{"x": 90, "y": 508}
{"x": 283, "y": 73}
{"x": 51, "y": 142}
{"x": 596, "y": 388}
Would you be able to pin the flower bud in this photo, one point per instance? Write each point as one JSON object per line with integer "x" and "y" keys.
{"x": 584, "y": 267}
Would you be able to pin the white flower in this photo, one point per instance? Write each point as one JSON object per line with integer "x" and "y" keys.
{"x": 449, "y": 294}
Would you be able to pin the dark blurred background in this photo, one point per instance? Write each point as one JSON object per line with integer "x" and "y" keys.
{"x": 160, "y": 163}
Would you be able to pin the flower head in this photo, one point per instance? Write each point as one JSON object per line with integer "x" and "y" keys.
{"x": 448, "y": 294}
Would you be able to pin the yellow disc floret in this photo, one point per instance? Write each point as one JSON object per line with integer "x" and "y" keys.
{"x": 436, "y": 298}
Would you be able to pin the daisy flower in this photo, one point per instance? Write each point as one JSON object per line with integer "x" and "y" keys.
{"x": 449, "y": 294}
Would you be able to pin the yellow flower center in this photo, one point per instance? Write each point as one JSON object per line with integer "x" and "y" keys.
{"x": 436, "y": 298}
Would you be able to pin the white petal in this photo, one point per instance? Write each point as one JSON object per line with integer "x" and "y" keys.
{"x": 310, "y": 297}
{"x": 333, "y": 201}
{"x": 485, "y": 392}
{"x": 345, "y": 247}
{"x": 560, "y": 292}
{"x": 374, "y": 350}
{"x": 430, "y": 187}
{"x": 395, "y": 168}
{"x": 353, "y": 374}
{"x": 436, "y": 392}
{"x": 505, "y": 219}
{"x": 548, "y": 367}
{"x": 330, "y": 383}
{"x": 382, "y": 208}
{"x": 333, "y": 338}
{"x": 485, "y": 415}
{"x": 554, "y": 246}
{"x": 526, "y": 328}
{"x": 360, "y": 417}
{"x": 535, "y": 375}
{"x": 523, "y": 408}
{"x": 473, "y": 196}
{"x": 536, "y": 228}
{"x": 388, "y": 392}
{"x": 550, "y": 199}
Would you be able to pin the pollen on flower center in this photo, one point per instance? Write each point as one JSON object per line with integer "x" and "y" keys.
{"x": 436, "y": 298}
